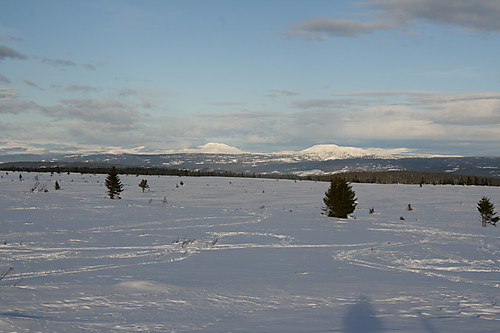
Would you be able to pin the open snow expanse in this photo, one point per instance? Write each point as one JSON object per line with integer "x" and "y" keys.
{"x": 244, "y": 255}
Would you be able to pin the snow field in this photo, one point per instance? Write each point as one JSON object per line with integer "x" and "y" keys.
{"x": 243, "y": 255}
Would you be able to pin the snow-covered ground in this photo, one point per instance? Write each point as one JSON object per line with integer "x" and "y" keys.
{"x": 244, "y": 255}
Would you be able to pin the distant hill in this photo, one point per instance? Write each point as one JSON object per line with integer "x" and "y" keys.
{"x": 309, "y": 162}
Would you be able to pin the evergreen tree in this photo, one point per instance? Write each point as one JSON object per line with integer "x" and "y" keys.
{"x": 57, "y": 186}
{"x": 144, "y": 184}
{"x": 487, "y": 211}
{"x": 339, "y": 199}
{"x": 113, "y": 184}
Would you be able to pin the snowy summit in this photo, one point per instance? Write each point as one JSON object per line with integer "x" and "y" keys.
{"x": 213, "y": 148}
{"x": 332, "y": 151}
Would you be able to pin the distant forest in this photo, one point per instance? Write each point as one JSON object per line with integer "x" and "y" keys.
{"x": 412, "y": 177}
{"x": 376, "y": 177}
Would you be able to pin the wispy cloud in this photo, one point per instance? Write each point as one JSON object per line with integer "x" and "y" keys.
{"x": 90, "y": 67}
{"x": 226, "y": 103}
{"x": 8, "y": 94}
{"x": 276, "y": 92}
{"x": 399, "y": 117}
{"x": 9, "y": 38}
{"x": 8, "y": 53}
{"x": 92, "y": 110}
{"x": 147, "y": 98}
{"x": 466, "y": 109}
{"x": 319, "y": 28}
{"x": 16, "y": 107}
{"x": 55, "y": 62}
{"x": 332, "y": 103}
{"x": 30, "y": 83}
{"x": 4, "y": 79}
{"x": 385, "y": 93}
{"x": 474, "y": 15}
{"x": 396, "y": 14}
{"x": 80, "y": 88}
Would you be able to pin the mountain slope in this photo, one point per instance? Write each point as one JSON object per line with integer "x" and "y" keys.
{"x": 331, "y": 152}
{"x": 319, "y": 159}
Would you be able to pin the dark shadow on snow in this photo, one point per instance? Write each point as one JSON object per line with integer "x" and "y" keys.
{"x": 14, "y": 314}
{"x": 426, "y": 323}
{"x": 361, "y": 318}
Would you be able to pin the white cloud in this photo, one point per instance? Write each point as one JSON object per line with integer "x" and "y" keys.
{"x": 419, "y": 119}
{"x": 7, "y": 94}
{"x": 467, "y": 109}
{"x": 93, "y": 110}
{"x": 401, "y": 118}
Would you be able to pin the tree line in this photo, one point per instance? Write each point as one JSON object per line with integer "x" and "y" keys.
{"x": 378, "y": 177}
{"x": 411, "y": 177}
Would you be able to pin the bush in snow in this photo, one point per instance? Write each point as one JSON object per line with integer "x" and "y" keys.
{"x": 340, "y": 199}
{"x": 144, "y": 185}
{"x": 38, "y": 187}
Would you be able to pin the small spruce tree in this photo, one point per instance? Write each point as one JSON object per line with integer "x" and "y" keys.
{"x": 340, "y": 199}
{"x": 57, "y": 186}
{"x": 144, "y": 185}
{"x": 487, "y": 211}
{"x": 113, "y": 184}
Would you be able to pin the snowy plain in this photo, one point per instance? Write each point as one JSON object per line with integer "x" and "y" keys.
{"x": 243, "y": 255}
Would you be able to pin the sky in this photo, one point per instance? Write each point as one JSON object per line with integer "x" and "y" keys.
{"x": 263, "y": 76}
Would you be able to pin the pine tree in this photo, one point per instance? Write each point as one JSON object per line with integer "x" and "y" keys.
{"x": 57, "y": 186}
{"x": 113, "y": 184}
{"x": 487, "y": 211}
{"x": 340, "y": 199}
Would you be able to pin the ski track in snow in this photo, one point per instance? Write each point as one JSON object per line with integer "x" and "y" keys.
{"x": 397, "y": 256}
{"x": 60, "y": 242}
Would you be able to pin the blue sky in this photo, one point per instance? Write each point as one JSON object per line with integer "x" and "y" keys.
{"x": 263, "y": 76}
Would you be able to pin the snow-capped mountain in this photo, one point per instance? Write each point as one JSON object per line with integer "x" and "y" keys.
{"x": 320, "y": 152}
{"x": 319, "y": 159}
{"x": 327, "y": 152}
{"x": 211, "y": 148}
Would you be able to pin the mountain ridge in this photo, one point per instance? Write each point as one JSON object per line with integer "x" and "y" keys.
{"x": 268, "y": 164}
{"x": 323, "y": 159}
{"x": 319, "y": 151}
